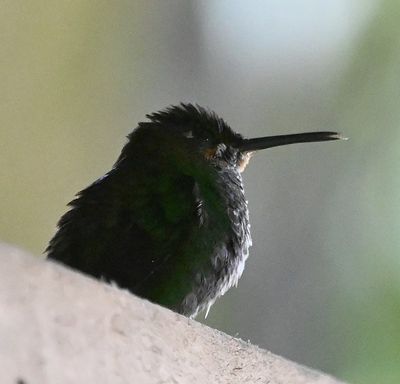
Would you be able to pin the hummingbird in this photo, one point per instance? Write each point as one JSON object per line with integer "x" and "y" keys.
{"x": 169, "y": 222}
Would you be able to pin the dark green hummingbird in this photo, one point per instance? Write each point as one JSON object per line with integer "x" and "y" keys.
{"x": 169, "y": 222}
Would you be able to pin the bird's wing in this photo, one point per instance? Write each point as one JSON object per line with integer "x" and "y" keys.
{"x": 149, "y": 233}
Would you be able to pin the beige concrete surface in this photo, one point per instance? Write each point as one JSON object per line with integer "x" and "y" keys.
{"x": 58, "y": 326}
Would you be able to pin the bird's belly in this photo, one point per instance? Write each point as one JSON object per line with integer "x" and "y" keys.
{"x": 228, "y": 260}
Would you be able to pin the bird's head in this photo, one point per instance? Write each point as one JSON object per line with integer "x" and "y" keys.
{"x": 202, "y": 132}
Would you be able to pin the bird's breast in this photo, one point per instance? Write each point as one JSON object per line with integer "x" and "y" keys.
{"x": 227, "y": 261}
{"x": 239, "y": 239}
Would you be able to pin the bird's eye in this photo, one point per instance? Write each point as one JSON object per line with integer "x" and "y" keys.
{"x": 188, "y": 134}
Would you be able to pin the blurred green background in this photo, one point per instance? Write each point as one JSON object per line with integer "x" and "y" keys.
{"x": 322, "y": 284}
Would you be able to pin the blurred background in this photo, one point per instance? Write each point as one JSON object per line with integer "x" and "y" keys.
{"x": 322, "y": 284}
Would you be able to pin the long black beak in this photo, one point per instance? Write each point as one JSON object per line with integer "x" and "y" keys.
{"x": 250, "y": 145}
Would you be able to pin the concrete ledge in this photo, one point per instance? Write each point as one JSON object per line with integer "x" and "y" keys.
{"x": 58, "y": 326}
